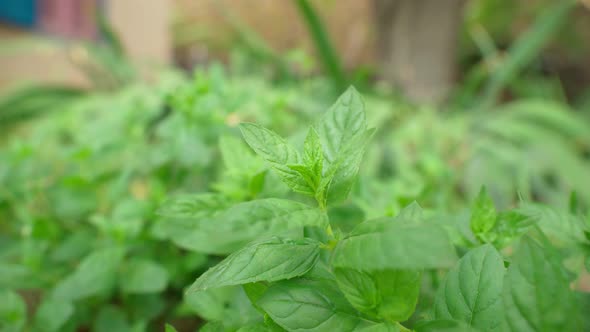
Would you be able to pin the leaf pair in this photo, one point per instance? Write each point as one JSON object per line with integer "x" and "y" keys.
{"x": 379, "y": 265}
{"x": 533, "y": 295}
{"x": 315, "y": 306}
{"x": 253, "y": 266}
{"x": 389, "y": 295}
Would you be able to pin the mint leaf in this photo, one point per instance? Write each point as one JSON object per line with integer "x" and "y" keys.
{"x": 254, "y": 291}
{"x": 359, "y": 288}
{"x": 96, "y": 274}
{"x": 381, "y": 327}
{"x": 169, "y": 328}
{"x": 52, "y": 315}
{"x": 344, "y": 135}
{"x": 309, "y": 305}
{"x": 563, "y": 227}
{"x": 260, "y": 327}
{"x": 278, "y": 153}
{"x": 212, "y": 327}
{"x": 248, "y": 221}
{"x": 342, "y": 123}
{"x": 180, "y": 215}
{"x": 536, "y": 294}
{"x": 483, "y": 215}
{"x": 311, "y": 169}
{"x": 13, "y": 311}
{"x": 472, "y": 291}
{"x": 228, "y": 305}
{"x": 237, "y": 157}
{"x": 341, "y": 174}
{"x": 411, "y": 213}
{"x": 143, "y": 276}
{"x": 111, "y": 319}
{"x": 385, "y": 244}
{"x": 307, "y": 174}
{"x": 270, "y": 260}
{"x": 271, "y": 214}
{"x": 511, "y": 225}
{"x": 389, "y": 295}
{"x": 191, "y": 206}
{"x": 443, "y": 325}
{"x": 244, "y": 174}
{"x": 313, "y": 155}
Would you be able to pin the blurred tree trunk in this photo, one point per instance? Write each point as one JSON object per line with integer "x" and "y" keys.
{"x": 418, "y": 45}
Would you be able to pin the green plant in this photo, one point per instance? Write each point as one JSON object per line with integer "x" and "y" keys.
{"x": 291, "y": 267}
{"x": 95, "y": 233}
{"x": 80, "y": 244}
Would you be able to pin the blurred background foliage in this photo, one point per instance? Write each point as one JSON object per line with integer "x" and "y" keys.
{"x": 83, "y": 169}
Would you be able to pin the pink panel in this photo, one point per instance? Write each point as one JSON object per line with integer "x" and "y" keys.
{"x": 69, "y": 18}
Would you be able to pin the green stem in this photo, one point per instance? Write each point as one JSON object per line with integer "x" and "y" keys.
{"x": 329, "y": 231}
{"x": 330, "y": 61}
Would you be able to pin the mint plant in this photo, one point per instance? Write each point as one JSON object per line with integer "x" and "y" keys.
{"x": 95, "y": 236}
{"x": 301, "y": 273}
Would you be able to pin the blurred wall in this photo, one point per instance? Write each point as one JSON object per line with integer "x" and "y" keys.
{"x": 143, "y": 27}
{"x": 26, "y": 57}
{"x": 43, "y": 55}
